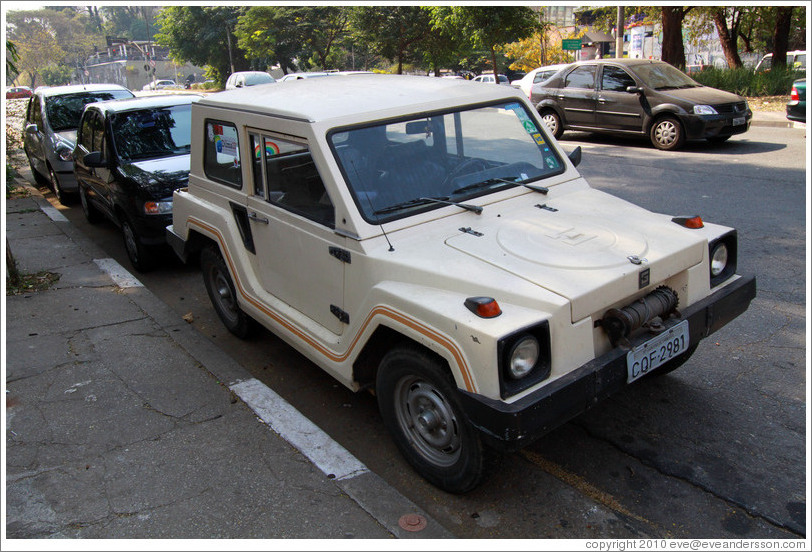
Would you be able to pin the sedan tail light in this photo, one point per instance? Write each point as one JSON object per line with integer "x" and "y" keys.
{"x": 794, "y": 95}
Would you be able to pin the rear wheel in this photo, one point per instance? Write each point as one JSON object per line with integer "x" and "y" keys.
{"x": 667, "y": 134}
{"x": 221, "y": 291}
{"x": 553, "y": 122}
{"x": 418, "y": 404}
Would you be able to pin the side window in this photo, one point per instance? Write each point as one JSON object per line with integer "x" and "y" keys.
{"x": 615, "y": 79}
{"x": 221, "y": 158}
{"x": 97, "y": 123}
{"x": 36, "y": 112}
{"x": 85, "y": 137}
{"x": 581, "y": 77}
{"x": 293, "y": 182}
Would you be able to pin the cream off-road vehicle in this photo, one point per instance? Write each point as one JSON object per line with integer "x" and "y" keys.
{"x": 428, "y": 240}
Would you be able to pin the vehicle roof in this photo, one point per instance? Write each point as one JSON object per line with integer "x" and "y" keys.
{"x": 250, "y": 73}
{"x": 145, "y": 102}
{"x": 631, "y": 62}
{"x": 76, "y": 88}
{"x": 368, "y": 95}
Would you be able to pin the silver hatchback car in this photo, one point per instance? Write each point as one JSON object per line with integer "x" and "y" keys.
{"x": 49, "y": 130}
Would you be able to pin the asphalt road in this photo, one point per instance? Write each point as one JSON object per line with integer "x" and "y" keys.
{"x": 713, "y": 450}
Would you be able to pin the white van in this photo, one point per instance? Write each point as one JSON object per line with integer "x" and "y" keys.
{"x": 795, "y": 59}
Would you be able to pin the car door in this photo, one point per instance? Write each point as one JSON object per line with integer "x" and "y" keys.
{"x": 617, "y": 109}
{"x": 577, "y": 96}
{"x": 298, "y": 258}
{"x": 95, "y": 180}
{"x": 33, "y": 138}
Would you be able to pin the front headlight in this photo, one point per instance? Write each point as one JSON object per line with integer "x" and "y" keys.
{"x": 163, "y": 207}
{"x": 64, "y": 151}
{"x": 722, "y": 254}
{"x": 704, "y": 110}
{"x": 718, "y": 260}
{"x": 523, "y": 357}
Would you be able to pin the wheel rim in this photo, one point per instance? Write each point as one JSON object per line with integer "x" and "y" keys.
{"x": 83, "y": 201}
{"x": 666, "y": 133}
{"x": 55, "y": 184}
{"x": 551, "y": 121}
{"x": 428, "y": 421}
{"x": 130, "y": 242}
{"x": 222, "y": 292}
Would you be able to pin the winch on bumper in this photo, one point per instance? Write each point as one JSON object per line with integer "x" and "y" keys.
{"x": 512, "y": 426}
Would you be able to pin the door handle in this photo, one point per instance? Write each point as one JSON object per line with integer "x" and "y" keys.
{"x": 255, "y": 217}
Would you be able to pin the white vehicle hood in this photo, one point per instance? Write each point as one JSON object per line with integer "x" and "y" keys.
{"x": 581, "y": 250}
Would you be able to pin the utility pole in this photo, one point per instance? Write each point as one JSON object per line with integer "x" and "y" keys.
{"x": 619, "y": 36}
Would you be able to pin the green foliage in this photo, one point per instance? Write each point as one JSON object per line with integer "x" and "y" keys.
{"x": 746, "y": 82}
{"x": 55, "y": 75}
{"x": 11, "y": 57}
{"x": 394, "y": 33}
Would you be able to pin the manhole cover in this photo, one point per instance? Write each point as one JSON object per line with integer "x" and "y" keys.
{"x": 412, "y": 522}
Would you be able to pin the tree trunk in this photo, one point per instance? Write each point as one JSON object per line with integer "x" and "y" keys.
{"x": 783, "y": 20}
{"x": 493, "y": 61}
{"x": 728, "y": 38}
{"x": 621, "y": 18}
{"x": 11, "y": 267}
{"x": 673, "y": 48}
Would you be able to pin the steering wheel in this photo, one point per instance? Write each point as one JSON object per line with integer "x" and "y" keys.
{"x": 475, "y": 164}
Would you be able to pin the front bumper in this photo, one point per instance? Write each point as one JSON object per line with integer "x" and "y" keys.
{"x": 512, "y": 426}
{"x": 709, "y": 126}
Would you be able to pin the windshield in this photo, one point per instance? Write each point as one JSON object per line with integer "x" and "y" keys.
{"x": 661, "y": 76}
{"x": 258, "y": 78}
{"x": 64, "y": 111}
{"x": 150, "y": 133}
{"x": 399, "y": 168}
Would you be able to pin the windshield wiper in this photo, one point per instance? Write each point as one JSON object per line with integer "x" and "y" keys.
{"x": 417, "y": 201}
{"x": 540, "y": 189}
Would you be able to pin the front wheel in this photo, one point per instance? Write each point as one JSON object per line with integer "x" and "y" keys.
{"x": 553, "y": 122}
{"x": 140, "y": 256}
{"x": 60, "y": 194}
{"x": 91, "y": 213}
{"x": 667, "y": 134}
{"x": 418, "y": 404}
{"x": 221, "y": 291}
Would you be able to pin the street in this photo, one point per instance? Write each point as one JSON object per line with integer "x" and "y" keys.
{"x": 713, "y": 450}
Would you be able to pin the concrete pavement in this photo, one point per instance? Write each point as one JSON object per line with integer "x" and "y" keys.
{"x": 123, "y": 422}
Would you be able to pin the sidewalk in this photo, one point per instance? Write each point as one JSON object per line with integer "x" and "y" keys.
{"x": 124, "y": 422}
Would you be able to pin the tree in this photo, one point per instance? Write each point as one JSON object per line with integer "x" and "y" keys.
{"x": 393, "y": 32}
{"x": 203, "y": 36}
{"x": 673, "y": 46}
{"x": 37, "y": 44}
{"x": 783, "y": 21}
{"x": 728, "y": 34}
{"x": 486, "y": 27}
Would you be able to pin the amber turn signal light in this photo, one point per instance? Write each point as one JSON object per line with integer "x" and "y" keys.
{"x": 484, "y": 307}
{"x": 689, "y": 222}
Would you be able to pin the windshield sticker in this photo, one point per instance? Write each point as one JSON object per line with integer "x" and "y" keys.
{"x": 538, "y": 138}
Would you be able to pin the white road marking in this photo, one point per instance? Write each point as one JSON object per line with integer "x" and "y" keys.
{"x": 53, "y": 213}
{"x": 330, "y": 457}
{"x": 118, "y": 273}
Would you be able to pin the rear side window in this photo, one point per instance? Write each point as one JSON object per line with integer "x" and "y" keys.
{"x": 581, "y": 77}
{"x": 221, "y": 158}
{"x": 615, "y": 79}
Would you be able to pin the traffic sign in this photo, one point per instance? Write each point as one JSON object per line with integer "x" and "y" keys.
{"x": 571, "y": 44}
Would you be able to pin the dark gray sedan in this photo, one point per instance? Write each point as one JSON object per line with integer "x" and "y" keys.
{"x": 641, "y": 97}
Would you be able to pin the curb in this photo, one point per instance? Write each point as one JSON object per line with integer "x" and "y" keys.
{"x": 369, "y": 491}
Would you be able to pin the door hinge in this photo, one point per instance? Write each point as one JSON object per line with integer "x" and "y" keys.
{"x": 341, "y": 254}
{"x": 340, "y": 314}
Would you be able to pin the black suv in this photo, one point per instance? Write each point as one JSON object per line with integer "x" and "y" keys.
{"x": 639, "y": 96}
{"x": 130, "y": 156}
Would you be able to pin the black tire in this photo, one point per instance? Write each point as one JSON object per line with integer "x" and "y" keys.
{"x": 63, "y": 197}
{"x": 675, "y": 363}
{"x": 718, "y": 139}
{"x": 92, "y": 214}
{"x": 418, "y": 402}
{"x": 222, "y": 294}
{"x": 667, "y": 134}
{"x": 141, "y": 256}
{"x": 550, "y": 118}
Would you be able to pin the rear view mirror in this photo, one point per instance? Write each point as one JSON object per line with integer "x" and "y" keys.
{"x": 94, "y": 159}
{"x": 418, "y": 127}
{"x": 575, "y": 156}
{"x": 634, "y": 90}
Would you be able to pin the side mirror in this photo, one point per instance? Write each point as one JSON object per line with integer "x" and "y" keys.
{"x": 94, "y": 159}
{"x": 31, "y": 128}
{"x": 634, "y": 90}
{"x": 575, "y": 156}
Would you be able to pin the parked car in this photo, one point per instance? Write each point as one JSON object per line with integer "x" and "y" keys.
{"x": 160, "y": 84}
{"x": 430, "y": 241}
{"x": 241, "y": 79}
{"x": 49, "y": 131}
{"x": 639, "y": 97}
{"x": 16, "y": 92}
{"x": 796, "y": 107}
{"x": 130, "y": 156}
{"x": 537, "y": 76}
{"x": 489, "y": 78}
{"x": 796, "y": 59}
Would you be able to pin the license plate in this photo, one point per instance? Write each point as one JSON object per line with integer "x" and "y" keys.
{"x": 738, "y": 121}
{"x": 657, "y": 351}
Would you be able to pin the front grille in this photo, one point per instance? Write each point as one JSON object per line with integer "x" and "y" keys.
{"x": 738, "y": 107}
